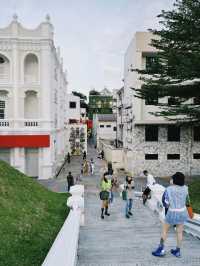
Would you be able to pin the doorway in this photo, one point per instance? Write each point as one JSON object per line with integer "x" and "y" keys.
{"x": 32, "y": 162}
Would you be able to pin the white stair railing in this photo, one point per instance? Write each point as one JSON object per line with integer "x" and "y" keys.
{"x": 64, "y": 249}
{"x": 192, "y": 226}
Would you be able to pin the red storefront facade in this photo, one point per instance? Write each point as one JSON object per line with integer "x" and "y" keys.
{"x": 24, "y": 141}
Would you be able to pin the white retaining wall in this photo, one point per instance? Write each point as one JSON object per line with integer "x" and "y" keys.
{"x": 192, "y": 226}
{"x": 113, "y": 155}
{"x": 64, "y": 249}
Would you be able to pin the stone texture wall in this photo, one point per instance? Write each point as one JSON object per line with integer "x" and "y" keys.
{"x": 164, "y": 167}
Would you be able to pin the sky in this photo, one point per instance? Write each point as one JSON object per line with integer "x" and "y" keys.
{"x": 93, "y": 34}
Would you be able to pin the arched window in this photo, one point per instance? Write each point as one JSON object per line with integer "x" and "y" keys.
{"x": 31, "y": 69}
{"x": 31, "y": 105}
{"x": 4, "y": 68}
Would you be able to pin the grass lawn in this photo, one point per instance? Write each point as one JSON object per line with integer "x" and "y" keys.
{"x": 30, "y": 218}
{"x": 194, "y": 190}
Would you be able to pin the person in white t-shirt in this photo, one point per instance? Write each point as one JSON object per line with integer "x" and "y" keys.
{"x": 150, "y": 182}
{"x": 91, "y": 166}
{"x": 150, "y": 179}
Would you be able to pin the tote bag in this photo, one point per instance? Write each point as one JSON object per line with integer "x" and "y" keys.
{"x": 124, "y": 194}
{"x": 104, "y": 195}
{"x": 190, "y": 212}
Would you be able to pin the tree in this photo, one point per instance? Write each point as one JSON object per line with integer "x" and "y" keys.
{"x": 79, "y": 94}
{"x": 83, "y": 104}
{"x": 94, "y": 92}
{"x": 175, "y": 70}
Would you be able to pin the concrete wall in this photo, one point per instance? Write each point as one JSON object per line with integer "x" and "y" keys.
{"x": 133, "y": 160}
{"x": 113, "y": 155}
{"x": 64, "y": 249}
{"x": 104, "y": 133}
{"x": 162, "y": 147}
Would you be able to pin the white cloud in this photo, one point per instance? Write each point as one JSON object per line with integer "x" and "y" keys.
{"x": 93, "y": 34}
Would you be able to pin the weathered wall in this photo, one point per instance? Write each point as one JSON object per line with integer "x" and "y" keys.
{"x": 162, "y": 166}
{"x": 133, "y": 160}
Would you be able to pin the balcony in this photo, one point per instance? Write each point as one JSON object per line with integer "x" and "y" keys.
{"x": 10, "y": 124}
{"x": 31, "y": 123}
{"x": 4, "y": 123}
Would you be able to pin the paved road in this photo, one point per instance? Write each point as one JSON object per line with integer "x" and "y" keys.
{"x": 118, "y": 241}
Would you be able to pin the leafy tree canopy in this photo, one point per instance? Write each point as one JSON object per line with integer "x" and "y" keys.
{"x": 94, "y": 92}
{"x": 83, "y": 104}
{"x": 79, "y": 94}
{"x": 175, "y": 72}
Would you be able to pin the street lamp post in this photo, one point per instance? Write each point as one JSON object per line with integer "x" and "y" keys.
{"x": 116, "y": 140}
{"x": 116, "y": 131}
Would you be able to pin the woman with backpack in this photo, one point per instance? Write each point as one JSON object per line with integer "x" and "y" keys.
{"x": 104, "y": 195}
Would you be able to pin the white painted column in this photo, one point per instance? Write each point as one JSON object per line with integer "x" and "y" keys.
{"x": 15, "y": 114}
{"x": 46, "y": 157}
{"x": 45, "y": 164}
{"x": 17, "y": 160}
{"x": 46, "y": 72}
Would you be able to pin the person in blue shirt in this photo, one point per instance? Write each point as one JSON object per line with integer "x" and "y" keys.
{"x": 174, "y": 200}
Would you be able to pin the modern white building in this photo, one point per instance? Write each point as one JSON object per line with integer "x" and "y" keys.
{"x": 73, "y": 108}
{"x": 104, "y": 128}
{"x": 150, "y": 142}
{"x": 33, "y": 89}
{"x": 76, "y": 136}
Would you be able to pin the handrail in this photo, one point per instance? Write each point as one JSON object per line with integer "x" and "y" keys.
{"x": 61, "y": 168}
{"x": 64, "y": 249}
{"x": 192, "y": 226}
{"x": 155, "y": 203}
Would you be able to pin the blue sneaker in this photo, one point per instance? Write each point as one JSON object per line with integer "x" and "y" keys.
{"x": 159, "y": 252}
{"x": 176, "y": 252}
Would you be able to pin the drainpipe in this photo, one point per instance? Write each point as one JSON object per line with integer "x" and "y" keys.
{"x": 190, "y": 151}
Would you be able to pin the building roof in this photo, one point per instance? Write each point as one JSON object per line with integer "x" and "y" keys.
{"x": 107, "y": 117}
{"x": 154, "y": 122}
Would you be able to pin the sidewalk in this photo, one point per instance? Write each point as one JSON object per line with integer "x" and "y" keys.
{"x": 117, "y": 241}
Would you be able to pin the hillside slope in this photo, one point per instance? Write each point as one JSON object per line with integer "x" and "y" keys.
{"x": 30, "y": 218}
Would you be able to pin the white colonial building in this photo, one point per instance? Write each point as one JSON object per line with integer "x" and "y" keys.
{"x": 33, "y": 89}
{"x": 150, "y": 142}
